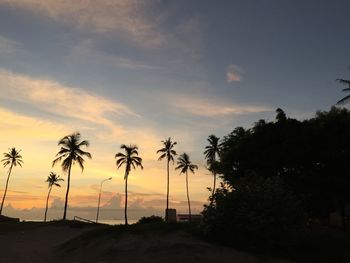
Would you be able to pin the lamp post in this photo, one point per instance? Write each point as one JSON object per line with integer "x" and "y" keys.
{"x": 99, "y": 197}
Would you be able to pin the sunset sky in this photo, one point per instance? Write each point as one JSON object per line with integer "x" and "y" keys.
{"x": 139, "y": 71}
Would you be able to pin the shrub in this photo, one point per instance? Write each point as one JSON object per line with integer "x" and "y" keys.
{"x": 258, "y": 210}
{"x": 150, "y": 219}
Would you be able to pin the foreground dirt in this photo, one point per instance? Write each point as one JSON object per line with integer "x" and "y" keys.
{"x": 44, "y": 244}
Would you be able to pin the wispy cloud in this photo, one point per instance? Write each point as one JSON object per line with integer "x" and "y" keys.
{"x": 70, "y": 102}
{"x": 125, "y": 17}
{"x": 234, "y": 74}
{"x": 15, "y": 125}
{"x": 215, "y": 107}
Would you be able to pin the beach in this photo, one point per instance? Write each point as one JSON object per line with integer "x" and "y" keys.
{"x": 75, "y": 243}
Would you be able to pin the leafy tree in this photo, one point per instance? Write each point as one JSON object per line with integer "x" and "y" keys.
{"x": 129, "y": 159}
{"x": 167, "y": 152}
{"x": 69, "y": 154}
{"x": 12, "y": 158}
{"x": 52, "y": 180}
{"x": 212, "y": 151}
{"x": 310, "y": 156}
{"x": 184, "y": 165}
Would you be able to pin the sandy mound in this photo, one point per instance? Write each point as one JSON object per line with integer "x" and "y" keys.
{"x": 176, "y": 247}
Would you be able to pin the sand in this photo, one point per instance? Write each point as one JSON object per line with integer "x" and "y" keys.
{"x": 44, "y": 244}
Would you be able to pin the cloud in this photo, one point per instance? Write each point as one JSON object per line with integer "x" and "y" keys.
{"x": 234, "y": 74}
{"x": 16, "y": 125}
{"x": 213, "y": 108}
{"x": 128, "y": 18}
{"x": 61, "y": 100}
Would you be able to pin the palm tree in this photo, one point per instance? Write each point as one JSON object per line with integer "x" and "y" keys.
{"x": 70, "y": 152}
{"x": 12, "y": 158}
{"x": 168, "y": 152}
{"x": 346, "y": 98}
{"x": 184, "y": 163}
{"x": 130, "y": 159}
{"x": 211, "y": 152}
{"x": 53, "y": 180}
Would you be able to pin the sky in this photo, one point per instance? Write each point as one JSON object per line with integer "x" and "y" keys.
{"x": 140, "y": 71}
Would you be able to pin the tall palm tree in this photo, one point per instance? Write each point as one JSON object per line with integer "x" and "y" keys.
{"x": 69, "y": 154}
{"x": 346, "y": 98}
{"x": 53, "y": 180}
{"x": 184, "y": 163}
{"x": 130, "y": 159}
{"x": 168, "y": 152}
{"x": 12, "y": 158}
{"x": 211, "y": 152}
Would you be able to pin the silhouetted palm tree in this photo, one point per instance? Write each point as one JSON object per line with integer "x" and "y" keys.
{"x": 169, "y": 153}
{"x": 53, "y": 180}
{"x": 346, "y": 98}
{"x": 211, "y": 152}
{"x": 70, "y": 152}
{"x": 130, "y": 159}
{"x": 12, "y": 158}
{"x": 184, "y": 163}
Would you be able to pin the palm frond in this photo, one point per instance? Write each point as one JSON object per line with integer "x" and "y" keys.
{"x": 344, "y": 81}
{"x": 343, "y": 100}
{"x": 162, "y": 156}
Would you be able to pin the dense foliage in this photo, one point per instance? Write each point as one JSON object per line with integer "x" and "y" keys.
{"x": 276, "y": 174}
{"x": 150, "y": 219}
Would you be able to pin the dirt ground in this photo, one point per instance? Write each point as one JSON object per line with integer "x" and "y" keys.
{"x": 44, "y": 244}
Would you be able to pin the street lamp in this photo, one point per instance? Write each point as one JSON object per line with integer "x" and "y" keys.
{"x": 99, "y": 197}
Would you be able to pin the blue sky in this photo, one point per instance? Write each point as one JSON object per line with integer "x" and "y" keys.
{"x": 134, "y": 71}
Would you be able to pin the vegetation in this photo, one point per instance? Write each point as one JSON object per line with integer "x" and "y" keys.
{"x": 212, "y": 151}
{"x": 53, "y": 180}
{"x": 150, "y": 219}
{"x": 346, "y": 98}
{"x": 184, "y": 165}
{"x": 12, "y": 158}
{"x": 69, "y": 154}
{"x": 168, "y": 153}
{"x": 129, "y": 159}
{"x": 277, "y": 176}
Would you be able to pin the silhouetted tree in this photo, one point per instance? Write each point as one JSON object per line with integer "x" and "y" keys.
{"x": 310, "y": 156}
{"x": 71, "y": 153}
{"x": 185, "y": 165}
{"x": 168, "y": 153}
{"x": 211, "y": 152}
{"x": 52, "y": 180}
{"x": 281, "y": 116}
{"x": 12, "y": 158}
{"x": 129, "y": 159}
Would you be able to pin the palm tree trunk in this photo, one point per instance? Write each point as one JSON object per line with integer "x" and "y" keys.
{"x": 47, "y": 202}
{"x": 213, "y": 192}
{"x": 7, "y": 182}
{"x": 167, "y": 194}
{"x": 68, "y": 185}
{"x": 188, "y": 198}
{"x": 126, "y": 198}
